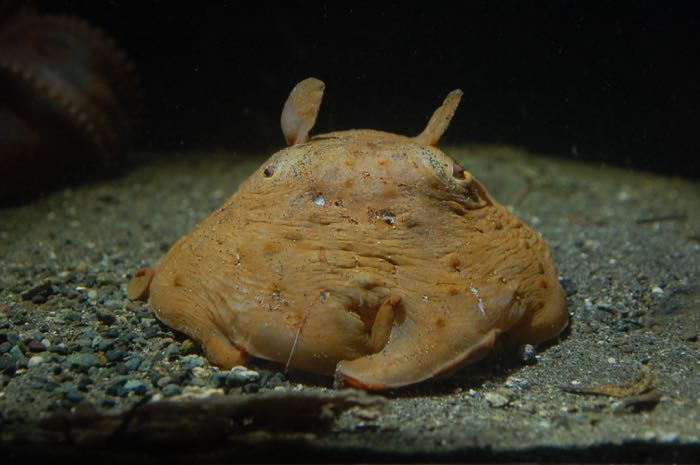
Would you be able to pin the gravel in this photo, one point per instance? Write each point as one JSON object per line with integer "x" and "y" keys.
{"x": 626, "y": 244}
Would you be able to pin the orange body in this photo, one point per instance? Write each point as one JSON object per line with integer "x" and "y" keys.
{"x": 364, "y": 254}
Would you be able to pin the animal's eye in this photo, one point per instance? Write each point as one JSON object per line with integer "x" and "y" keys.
{"x": 457, "y": 170}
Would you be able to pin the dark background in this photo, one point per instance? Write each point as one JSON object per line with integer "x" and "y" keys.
{"x": 612, "y": 82}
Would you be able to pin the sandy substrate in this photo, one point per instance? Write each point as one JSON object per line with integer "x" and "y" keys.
{"x": 84, "y": 372}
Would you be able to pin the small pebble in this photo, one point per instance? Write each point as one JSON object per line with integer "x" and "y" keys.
{"x": 114, "y": 355}
{"x": 132, "y": 363}
{"x": 85, "y": 381}
{"x": 136, "y": 386}
{"x": 83, "y": 360}
{"x": 251, "y": 388}
{"x": 60, "y": 348}
{"x": 117, "y": 389}
{"x": 669, "y": 438}
{"x": 70, "y": 315}
{"x": 114, "y": 305}
{"x": 188, "y": 347}
{"x": 191, "y": 361}
{"x": 569, "y": 286}
{"x": 240, "y": 375}
{"x": 276, "y": 380}
{"x": 171, "y": 390}
{"x": 8, "y": 365}
{"x": 39, "y": 292}
{"x": 35, "y": 360}
{"x": 527, "y": 354}
{"x": 151, "y": 331}
{"x": 172, "y": 351}
{"x": 106, "y": 317}
{"x": 74, "y": 396}
{"x": 111, "y": 332}
{"x": 16, "y": 352}
{"x": 12, "y": 338}
{"x": 36, "y": 346}
{"x": 496, "y": 400}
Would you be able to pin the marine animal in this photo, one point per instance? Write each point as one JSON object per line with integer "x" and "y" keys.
{"x": 69, "y": 98}
{"x": 365, "y": 254}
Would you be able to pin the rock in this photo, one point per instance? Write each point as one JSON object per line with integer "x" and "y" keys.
{"x": 16, "y": 352}
{"x": 527, "y": 354}
{"x": 111, "y": 332}
{"x": 569, "y": 286}
{"x": 8, "y": 364}
{"x": 112, "y": 304}
{"x": 74, "y": 396}
{"x": 136, "y": 386}
{"x": 251, "y": 388}
{"x": 192, "y": 361}
{"x": 163, "y": 381}
{"x": 83, "y": 360}
{"x": 106, "y": 317}
{"x": 12, "y": 338}
{"x": 39, "y": 293}
{"x": 35, "y": 360}
{"x": 117, "y": 389}
{"x": 132, "y": 363}
{"x": 60, "y": 348}
{"x": 496, "y": 400}
{"x": 172, "y": 351}
{"x": 36, "y": 346}
{"x": 101, "y": 344}
{"x": 70, "y": 315}
{"x": 114, "y": 355}
{"x": 276, "y": 380}
{"x": 151, "y": 331}
{"x": 240, "y": 376}
{"x": 188, "y": 347}
{"x": 84, "y": 384}
{"x": 171, "y": 390}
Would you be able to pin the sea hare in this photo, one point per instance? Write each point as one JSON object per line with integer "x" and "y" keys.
{"x": 365, "y": 254}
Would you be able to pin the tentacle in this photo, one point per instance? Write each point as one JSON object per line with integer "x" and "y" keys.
{"x": 300, "y": 110}
{"x": 440, "y": 120}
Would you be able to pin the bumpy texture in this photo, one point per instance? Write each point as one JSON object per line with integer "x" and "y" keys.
{"x": 70, "y": 98}
{"x": 366, "y": 254}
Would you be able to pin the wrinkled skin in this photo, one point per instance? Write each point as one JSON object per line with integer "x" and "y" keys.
{"x": 366, "y": 254}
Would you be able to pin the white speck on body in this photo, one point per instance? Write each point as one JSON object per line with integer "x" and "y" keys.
{"x": 320, "y": 200}
{"x": 480, "y": 301}
{"x": 323, "y": 296}
{"x": 238, "y": 258}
